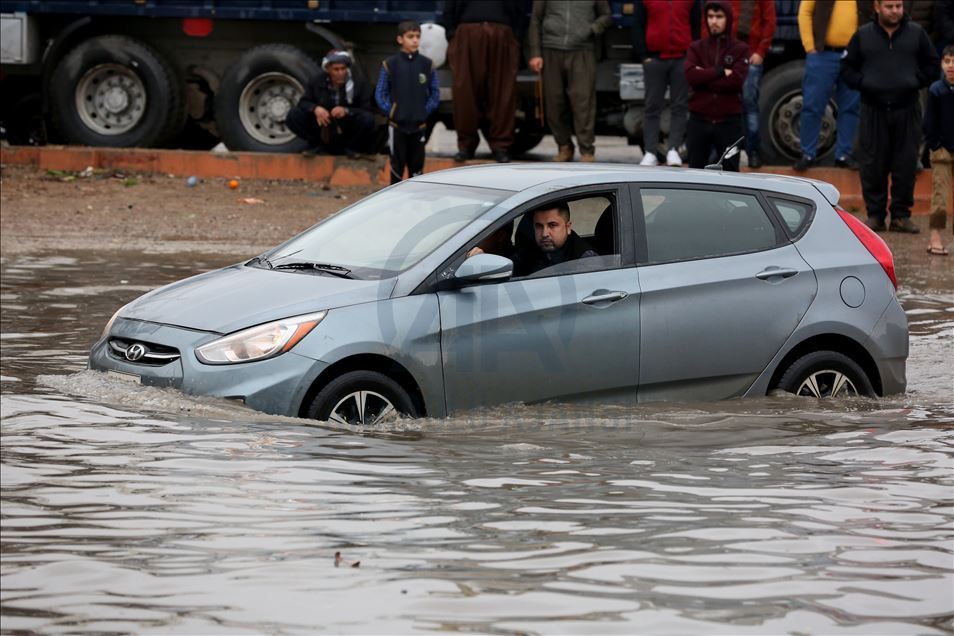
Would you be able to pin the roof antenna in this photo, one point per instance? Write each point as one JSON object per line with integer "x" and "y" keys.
{"x": 730, "y": 152}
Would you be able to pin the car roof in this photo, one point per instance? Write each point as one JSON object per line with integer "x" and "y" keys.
{"x": 517, "y": 177}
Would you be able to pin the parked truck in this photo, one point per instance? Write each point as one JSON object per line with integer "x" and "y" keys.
{"x": 155, "y": 73}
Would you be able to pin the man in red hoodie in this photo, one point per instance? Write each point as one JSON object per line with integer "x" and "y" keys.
{"x": 716, "y": 68}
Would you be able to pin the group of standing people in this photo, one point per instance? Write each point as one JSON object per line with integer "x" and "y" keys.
{"x": 708, "y": 55}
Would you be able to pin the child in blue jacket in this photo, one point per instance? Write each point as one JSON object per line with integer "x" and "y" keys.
{"x": 408, "y": 92}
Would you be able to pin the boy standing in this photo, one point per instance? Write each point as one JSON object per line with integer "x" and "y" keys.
{"x": 939, "y": 136}
{"x": 408, "y": 92}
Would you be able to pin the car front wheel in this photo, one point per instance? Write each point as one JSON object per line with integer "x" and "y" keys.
{"x": 361, "y": 398}
{"x": 824, "y": 374}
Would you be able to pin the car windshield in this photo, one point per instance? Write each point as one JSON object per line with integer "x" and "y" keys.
{"x": 390, "y": 231}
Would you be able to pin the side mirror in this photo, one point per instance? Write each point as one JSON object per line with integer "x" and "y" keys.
{"x": 484, "y": 267}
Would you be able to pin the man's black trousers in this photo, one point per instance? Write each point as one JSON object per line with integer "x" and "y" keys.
{"x": 354, "y": 132}
{"x": 407, "y": 150}
{"x": 706, "y": 139}
{"x": 888, "y": 142}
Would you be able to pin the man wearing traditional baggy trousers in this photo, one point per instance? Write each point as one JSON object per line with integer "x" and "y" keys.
{"x": 561, "y": 45}
{"x": 889, "y": 60}
{"x": 484, "y": 55}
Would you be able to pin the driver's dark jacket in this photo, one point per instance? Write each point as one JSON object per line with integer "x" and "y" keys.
{"x": 532, "y": 259}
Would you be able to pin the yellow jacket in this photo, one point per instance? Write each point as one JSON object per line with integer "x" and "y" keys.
{"x": 841, "y": 26}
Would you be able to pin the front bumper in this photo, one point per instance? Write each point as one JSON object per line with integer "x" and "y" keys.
{"x": 277, "y": 385}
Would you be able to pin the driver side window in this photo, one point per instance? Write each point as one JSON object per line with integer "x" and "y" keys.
{"x": 565, "y": 236}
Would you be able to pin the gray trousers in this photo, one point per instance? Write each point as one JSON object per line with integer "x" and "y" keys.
{"x": 569, "y": 96}
{"x": 658, "y": 75}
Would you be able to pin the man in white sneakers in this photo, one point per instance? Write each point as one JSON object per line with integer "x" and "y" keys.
{"x": 662, "y": 31}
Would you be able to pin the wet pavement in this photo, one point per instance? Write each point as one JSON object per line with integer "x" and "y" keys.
{"x": 133, "y": 509}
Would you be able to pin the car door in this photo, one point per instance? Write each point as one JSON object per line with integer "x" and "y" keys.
{"x": 569, "y": 332}
{"x": 722, "y": 288}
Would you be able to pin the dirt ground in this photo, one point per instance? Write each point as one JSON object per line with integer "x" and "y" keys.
{"x": 44, "y": 211}
{"x": 48, "y": 210}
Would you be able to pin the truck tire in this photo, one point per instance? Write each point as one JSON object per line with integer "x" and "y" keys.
{"x": 525, "y": 139}
{"x": 780, "y": 108}
{"x": 114, "y": 90}
{"x": 24, "y": 122}
{"x": 256, "y": 94}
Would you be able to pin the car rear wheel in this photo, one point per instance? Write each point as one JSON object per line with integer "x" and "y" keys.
{"x": 361, "y": 398}
{"x": 826, "y": 374}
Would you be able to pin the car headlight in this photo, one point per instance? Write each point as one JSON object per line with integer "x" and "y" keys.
{"x": 258, "y": 343}
{"x": 109, "y": 325}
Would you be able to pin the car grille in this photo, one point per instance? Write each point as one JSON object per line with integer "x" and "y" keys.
{"x": 146, "y": 353}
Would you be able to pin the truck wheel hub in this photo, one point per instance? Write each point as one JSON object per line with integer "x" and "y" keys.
{"x": 264, "y": 105}
{"x": 116, "y": 100}
{"x": 110, "y": 99}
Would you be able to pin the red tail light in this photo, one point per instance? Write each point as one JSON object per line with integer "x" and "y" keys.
{"x": 872, "y": 242}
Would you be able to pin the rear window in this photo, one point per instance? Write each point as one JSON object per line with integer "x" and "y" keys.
{"x": 794, "y": 213}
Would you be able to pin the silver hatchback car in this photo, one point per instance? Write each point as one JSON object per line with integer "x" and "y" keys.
{"x": 684, "y": 285}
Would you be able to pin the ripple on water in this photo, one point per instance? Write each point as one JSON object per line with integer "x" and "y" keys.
{"x": 135, "y": 509}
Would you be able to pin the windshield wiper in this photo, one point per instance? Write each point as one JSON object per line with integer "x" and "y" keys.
{"x": 261, "y": 260}
{"x": 324, "y": 268}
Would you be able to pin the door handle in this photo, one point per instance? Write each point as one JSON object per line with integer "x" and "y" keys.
{"x": 604, "y": 296}
{"x": 772, "y": 272}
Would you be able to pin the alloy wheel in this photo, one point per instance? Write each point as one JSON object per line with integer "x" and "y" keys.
{"x": 362, "y": 408}
{"x": 827, "y": 383}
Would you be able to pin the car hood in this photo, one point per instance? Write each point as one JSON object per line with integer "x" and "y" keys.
{"x": 233, "y": 298}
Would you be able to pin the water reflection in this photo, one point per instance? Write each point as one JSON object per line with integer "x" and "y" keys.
{"x": 130, "y": 508}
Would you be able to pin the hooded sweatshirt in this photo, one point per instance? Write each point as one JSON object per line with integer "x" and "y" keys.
{"x": 715, "y": 96}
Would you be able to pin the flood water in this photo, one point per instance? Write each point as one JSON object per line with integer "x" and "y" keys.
{"x": 131, "y": 509}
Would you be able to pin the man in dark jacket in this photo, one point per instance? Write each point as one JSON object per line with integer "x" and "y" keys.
{"x": 716, "y": 68}
{"x": 555, "y": 242}
{"x": 484, "y": 54}
{"x": 561, "y": 45}
{"x": 889, "y": 60}
{"x": 662, "y": 31}
{"x": 334, "y": 115}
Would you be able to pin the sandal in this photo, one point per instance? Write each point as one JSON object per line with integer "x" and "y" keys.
{"x": 937, "y": 251}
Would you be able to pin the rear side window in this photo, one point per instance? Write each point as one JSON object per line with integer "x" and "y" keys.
{"x": 691, "y": 224}
{"x": 793, "y": 213}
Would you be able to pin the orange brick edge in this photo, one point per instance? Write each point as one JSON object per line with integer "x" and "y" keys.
{"x": 336, "y": 171}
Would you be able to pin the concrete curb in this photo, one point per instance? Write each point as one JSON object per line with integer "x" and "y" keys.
{"x": 335, "y": 171}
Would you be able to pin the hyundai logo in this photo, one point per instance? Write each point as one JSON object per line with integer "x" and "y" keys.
{"x": 135, "y": 352}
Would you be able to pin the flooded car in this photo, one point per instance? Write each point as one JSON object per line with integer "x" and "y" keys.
{"x": 526, "y": 283}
